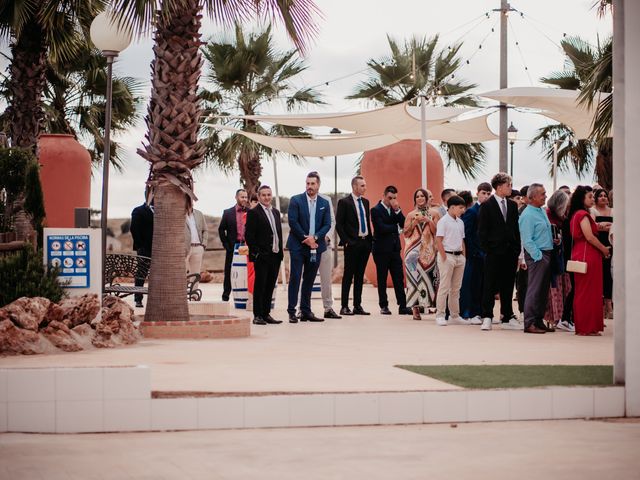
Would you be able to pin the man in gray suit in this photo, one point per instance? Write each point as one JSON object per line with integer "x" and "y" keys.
{"x": 196, "y": 238}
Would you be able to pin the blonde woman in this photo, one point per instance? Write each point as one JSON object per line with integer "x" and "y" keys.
{"x": 420, "y": 253}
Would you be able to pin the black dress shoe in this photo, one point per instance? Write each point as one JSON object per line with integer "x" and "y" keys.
{"x": 293, "y": 318}
{"x": 359, "y": 311}
{"x": 271, "y": 320}
{"x": 405, "y": 311}
{"x": 346, "y": 311}
{"x": 310, "y": 317}
{"x": 534, "y": 329}
{"x": 259, "y": 321}
{"x": 385, "y": 311}
{"x": 331, "y": 314}
{"x": 546, "y": 328}
{"x": 225, "y": 298}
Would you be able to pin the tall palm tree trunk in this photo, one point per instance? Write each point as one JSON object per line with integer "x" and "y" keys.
{"x": 250, "y": 170}
{"x": 26, "y": 85}
{"x": 173, "y": 150}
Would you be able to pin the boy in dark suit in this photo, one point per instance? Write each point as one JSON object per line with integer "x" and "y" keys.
{"x": 263, "y": 234}
{"x": 500, "y": 239}
{"x": 388, "y": 221}
{"x": 353, "y": 224}
{"x": 142, "y": 233}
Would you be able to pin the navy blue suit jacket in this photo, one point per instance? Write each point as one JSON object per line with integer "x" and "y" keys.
{"x": 386, "y": 237}
{"x": 299, "y": 222}
{"x": 471, "y": 238}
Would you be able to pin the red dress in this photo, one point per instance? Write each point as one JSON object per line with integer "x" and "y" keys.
{"x": 588, "y": 313}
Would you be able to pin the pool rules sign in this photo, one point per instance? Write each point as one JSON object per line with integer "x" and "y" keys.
{"x": 76, "y": 253}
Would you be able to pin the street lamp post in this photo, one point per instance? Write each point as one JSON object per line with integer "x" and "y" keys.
{"x": 335, "y": 131}
{"x": 512, "y": 135}
{"x": 111, "y": 38}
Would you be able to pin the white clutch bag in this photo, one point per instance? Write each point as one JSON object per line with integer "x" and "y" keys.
{"x": 576, "y": 266}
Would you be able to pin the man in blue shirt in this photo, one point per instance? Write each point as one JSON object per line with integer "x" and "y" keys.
{"x": 309, "y": 222}
{"x": 537, "y": 240}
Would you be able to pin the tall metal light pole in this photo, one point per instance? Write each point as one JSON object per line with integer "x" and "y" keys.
{"x": 512, "y": 134}
{"x": 335, "y": 131}
{"x": 504, "y": 10}
{"x": 111, "y": 38}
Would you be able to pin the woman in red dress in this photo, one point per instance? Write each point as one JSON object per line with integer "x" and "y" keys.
{"x": 587, "y": 301}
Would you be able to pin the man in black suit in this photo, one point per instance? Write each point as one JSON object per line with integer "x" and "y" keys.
{"x": 231, "y": 231}
{"x": 263, "y": 234}
{"x": 388, "y": 221}
{"x": 500, "y": 240}
{"x": 142, "y": 233}
{"x": 353, "y": 224}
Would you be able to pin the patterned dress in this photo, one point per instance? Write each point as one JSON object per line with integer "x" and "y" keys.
{"x": 420, "y": 261}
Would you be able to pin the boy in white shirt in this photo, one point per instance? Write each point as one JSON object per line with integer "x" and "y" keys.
{"x": 451, "y": 261}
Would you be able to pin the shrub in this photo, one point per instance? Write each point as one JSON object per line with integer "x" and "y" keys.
{"x": 23, "y": 274}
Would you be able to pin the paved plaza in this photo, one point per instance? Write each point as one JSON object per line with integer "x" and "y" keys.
{"x": 354, "y": 354}
{"x": 566, "y": 450}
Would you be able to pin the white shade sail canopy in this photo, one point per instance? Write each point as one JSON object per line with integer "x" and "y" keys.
{"x": 558, "y": 104}
{"x": 395, "y": 119}
{"x": 463, "y": 131}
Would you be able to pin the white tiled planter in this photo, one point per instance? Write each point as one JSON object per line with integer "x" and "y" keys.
{"x": 443, "y": 407}
{"x": 530, "y": 404}
{"x": 127, "y": 415}
{"x": 74, "y": 384}
{"x": 79, "y": 416}
{"x": 31, "y": 417}
{"x": 572, "y": 402}
{"x": 174, "y": 414}
{"x": 357, "y": 409}
{"x": 399, "y": 408}
{"x": 127, "y": 383}
{"x": 487, "y": 405}
{"x": 608, "y": 402}
{"x": 269, "y": 411}
{"x": 221, "y": 412}
{"x": 312, "y": 410}
{"x": 31, "y": 385}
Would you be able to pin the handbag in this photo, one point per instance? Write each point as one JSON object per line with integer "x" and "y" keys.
{"x": 577, "y": 266}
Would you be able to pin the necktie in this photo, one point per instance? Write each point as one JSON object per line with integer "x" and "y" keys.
{"x": 312, "y": 218}
{"x": 274, "y": 246}
{"x": 363, "y": 225}
{"x": 503, "y": 206}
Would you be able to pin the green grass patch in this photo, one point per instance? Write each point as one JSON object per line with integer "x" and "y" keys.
{"x": 516, "y": 376}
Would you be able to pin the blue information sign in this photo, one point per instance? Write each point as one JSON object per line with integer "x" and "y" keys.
{"x": 70, "y": 253}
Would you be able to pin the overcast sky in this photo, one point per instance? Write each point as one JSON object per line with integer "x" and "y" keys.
{"x": 353, "y": 31}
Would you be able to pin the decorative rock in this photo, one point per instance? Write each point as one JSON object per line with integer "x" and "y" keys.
{"x": 18, "y": 341}
{"x": 116, "y": 325}
{"x": 78, "y": 310}
{"x": 28, "y": 313}
{"x": 60, "y": 335}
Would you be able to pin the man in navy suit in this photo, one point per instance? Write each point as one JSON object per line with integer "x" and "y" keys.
{"x": 471, "y": 291}
{"x": 309, "y": 222}
{"x": 388, "y": 221}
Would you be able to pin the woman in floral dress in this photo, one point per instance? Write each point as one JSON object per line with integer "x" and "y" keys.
{"x": 420, "y": 253}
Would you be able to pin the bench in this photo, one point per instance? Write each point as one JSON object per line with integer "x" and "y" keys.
{"x": 119, "y": 265}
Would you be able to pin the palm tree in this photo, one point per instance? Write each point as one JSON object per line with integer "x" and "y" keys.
{"x": 589, "y": 70}
{"x": 420, "y": 68}
{"x": 39, "y": 30}
{"x": 172, "y": 145}
{"x": 248, "y": 73}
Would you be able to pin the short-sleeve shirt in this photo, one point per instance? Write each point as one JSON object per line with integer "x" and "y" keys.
{"x": 452, "y": 232}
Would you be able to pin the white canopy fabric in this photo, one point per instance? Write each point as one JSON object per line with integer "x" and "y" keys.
{"x": 463, "y": 131}
{"x": 395, "y": 119}
{"x": 558, "y": 104}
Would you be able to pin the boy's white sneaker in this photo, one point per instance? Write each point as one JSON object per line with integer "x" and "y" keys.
{"x": 441, "y": 321}
{"x": 565, "y": 326}
{"x": 458, "y": 320}
{"x": 477, "y": 320}
{"x": 512, "y": 324}
{"x": 486, "y": 324}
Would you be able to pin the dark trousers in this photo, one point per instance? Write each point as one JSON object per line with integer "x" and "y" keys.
{"x": 301, "y": 269}
{"x": 139, "y": 280}
{"x": 499, "y": 277}
{"x": 522, "y": 280}
{"x": 539, "y": 280}
{"x": 567, "y": 312}
{"x": 471, "y": 290}
{"x": 355, "y": 261}
{"x": 266, "y": 267}
{"x": 228, "y": 259}
{"x": 386, "y": 263}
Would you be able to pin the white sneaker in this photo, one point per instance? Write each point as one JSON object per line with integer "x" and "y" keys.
{"x": 441, "y": 321}
{"x": 486, "y": 324}
{"x": 458, "y": 320}
{"x": 496, "y": 321}
{"x": 521, "y": 317}
{"x": 512, "y": 324}
{"x": 477, "y": 320}
{"x": 565, "y": 326}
